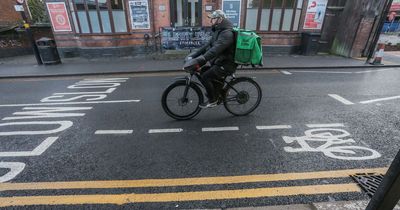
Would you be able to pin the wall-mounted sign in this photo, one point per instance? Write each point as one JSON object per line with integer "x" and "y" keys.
{"x": 59, "y": 16}
{"x": 232, "y": 11}
{"x": 315, "y": 14}
{"x": 20, "y": 1}
{"x": 209, "y": 8}
{"x": 185, "y": 37}
{"x": 161, "y": 7}
{"x": 19, "y": 8}
{"x": 139, "y": 14}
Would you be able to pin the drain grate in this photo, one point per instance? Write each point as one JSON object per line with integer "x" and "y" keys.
{"x": 369, "y": 182}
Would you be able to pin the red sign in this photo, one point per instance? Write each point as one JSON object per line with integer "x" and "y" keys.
{"x": 59, "y": 16}
{"x": 395, "y": 7}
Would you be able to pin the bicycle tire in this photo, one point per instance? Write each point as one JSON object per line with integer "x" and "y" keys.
{"x": 242, "y": 96}
{"x": 192, "y": 89}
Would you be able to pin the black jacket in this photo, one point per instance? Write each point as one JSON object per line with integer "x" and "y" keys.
{"x": 220, "y": 50}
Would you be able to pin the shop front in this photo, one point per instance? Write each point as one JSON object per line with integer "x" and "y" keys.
{"x": 93, "y": 28}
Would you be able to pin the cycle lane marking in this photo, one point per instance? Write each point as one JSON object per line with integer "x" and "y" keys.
{"x": 325, "y": 125}
{"x": 272, "y": 127}
{"x": 182, "y": 196}
{"x": 167, "y": 130}
{"x": 216, "y": 129}
{"x": 113, "y": 132}
{"x": 379, "y": 99}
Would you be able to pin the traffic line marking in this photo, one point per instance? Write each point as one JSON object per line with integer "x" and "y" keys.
{"x": 71, "y": 103}
{"x": 168, "y": 130}
{"x": 120, "y": 199}
{"x": 341, "y": 99}
{"x": 220, "y": 129}
{"x": 380, "y": 99}
{"x": 323, "y": 72}
{"x": 286, "y": 72}
{"x": 272, "y": 127}
{"x": 325, "y": 125}
{"x": 113, "y": 132}
{"x": 108, "y": 184}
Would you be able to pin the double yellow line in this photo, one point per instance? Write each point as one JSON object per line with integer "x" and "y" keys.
{"x": 180, "y": 196}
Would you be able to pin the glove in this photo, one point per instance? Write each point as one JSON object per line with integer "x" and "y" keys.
{"x": 194, "y": 63}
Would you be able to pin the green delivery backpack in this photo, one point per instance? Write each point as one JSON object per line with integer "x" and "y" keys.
{"x": 248, "y": 48}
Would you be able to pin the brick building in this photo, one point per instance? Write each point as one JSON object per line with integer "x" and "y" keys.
{"x": 129, "y": 27}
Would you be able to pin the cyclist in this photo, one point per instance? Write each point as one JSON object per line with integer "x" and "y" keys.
{"x": 218, "y": 53}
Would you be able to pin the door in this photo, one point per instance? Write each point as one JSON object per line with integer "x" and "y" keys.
{"x": 185, "y": 13}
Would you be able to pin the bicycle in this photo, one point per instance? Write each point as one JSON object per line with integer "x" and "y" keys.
{"x": 182, "y": 98}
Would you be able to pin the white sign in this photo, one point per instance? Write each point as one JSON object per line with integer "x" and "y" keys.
{"x": 20, "y": 1}
{"x": 19, "y": 8}
{"x": 315, "y": 14}
{"x": 139, "y": 14}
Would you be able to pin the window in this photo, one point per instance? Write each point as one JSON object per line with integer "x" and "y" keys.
{"x": 99, "y": 16}
{"x": 273, "y": 15}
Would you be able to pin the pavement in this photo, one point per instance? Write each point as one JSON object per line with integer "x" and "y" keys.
{"x": 26, "y": 67}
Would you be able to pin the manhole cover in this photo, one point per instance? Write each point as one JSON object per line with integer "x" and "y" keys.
{"x": 369, "y": 182}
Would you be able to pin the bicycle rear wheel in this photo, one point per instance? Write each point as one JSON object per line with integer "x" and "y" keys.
{"x": 243, "y": 95}
{"x": 179, "y": 107}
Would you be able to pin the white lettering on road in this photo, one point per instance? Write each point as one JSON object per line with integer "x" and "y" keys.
{"x": 59, "y": 98}
{"x": 63, "y": 125}
{"x": 14, "y": 167}
{"x": 35, "y": 152}
{"x": 72, "y": 103}
{"x": 47, "y": 112}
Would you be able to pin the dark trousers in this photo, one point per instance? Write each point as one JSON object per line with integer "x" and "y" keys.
{"x": 212, "y": 79}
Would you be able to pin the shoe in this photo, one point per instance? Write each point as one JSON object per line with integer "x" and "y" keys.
{"x": 208, "y": 105}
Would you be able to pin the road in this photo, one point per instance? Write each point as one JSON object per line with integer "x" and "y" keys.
{"x": 82, "y": 142}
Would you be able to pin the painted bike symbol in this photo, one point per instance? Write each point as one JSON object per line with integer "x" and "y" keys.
{"x": 330, "y": 142}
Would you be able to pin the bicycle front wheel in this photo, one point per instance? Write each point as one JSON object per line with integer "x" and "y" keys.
{"x": 243, "y": 95}
{"x": 178, "y": 105}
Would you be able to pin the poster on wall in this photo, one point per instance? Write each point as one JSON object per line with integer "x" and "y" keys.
{"x": 315, "y": 14}
{"x": 232, "y": 11}
{"x": 139, "y": 14}
{"x": 59, "y": 16}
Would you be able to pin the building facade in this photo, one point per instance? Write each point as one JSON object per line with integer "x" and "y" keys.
{"x": 96, "y": 28}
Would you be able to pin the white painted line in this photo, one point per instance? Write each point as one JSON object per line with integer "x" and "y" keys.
{"x": 220, "y": 129}
{"x": 380, "y": 99}
{"x": 325, "y": 125}
{"x": 168, "y": 130}
{"x": 14, "y": 169}
{"x": 113, "y": 132}
{"x": 36, "y": 152}
{"x": 70, "y": 103}
{"x": 324, "y": 72}
{"x": 272, "y": 127}
{"x": 341, "y": 99}
{"x": 378, "y": 70}
{"x": 286, "y": 72}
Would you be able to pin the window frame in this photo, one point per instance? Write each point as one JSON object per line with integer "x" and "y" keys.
{"x": 272, "y": 7}
{"x": 110, "y": 16}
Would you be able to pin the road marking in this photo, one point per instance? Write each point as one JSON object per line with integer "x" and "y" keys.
{"x": 341, "y": 99}
{"x": 380, "y": 99}
{"x": 14, "y": 168}
{"x": 271, "y": 127}
{"x": 220, "y": 129}
{"x": 325, "y": 125}
{"x": 168, "y": 130}
{"x": 110, "y": 184}
{"x": 36, "y": 152}
{"x": 120, "y": 199}
{"x": 113, "y": 132}
{"x": 71, "y": 103}
{"x": 324, "y": 72}
{"x": 286, "y": 72}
